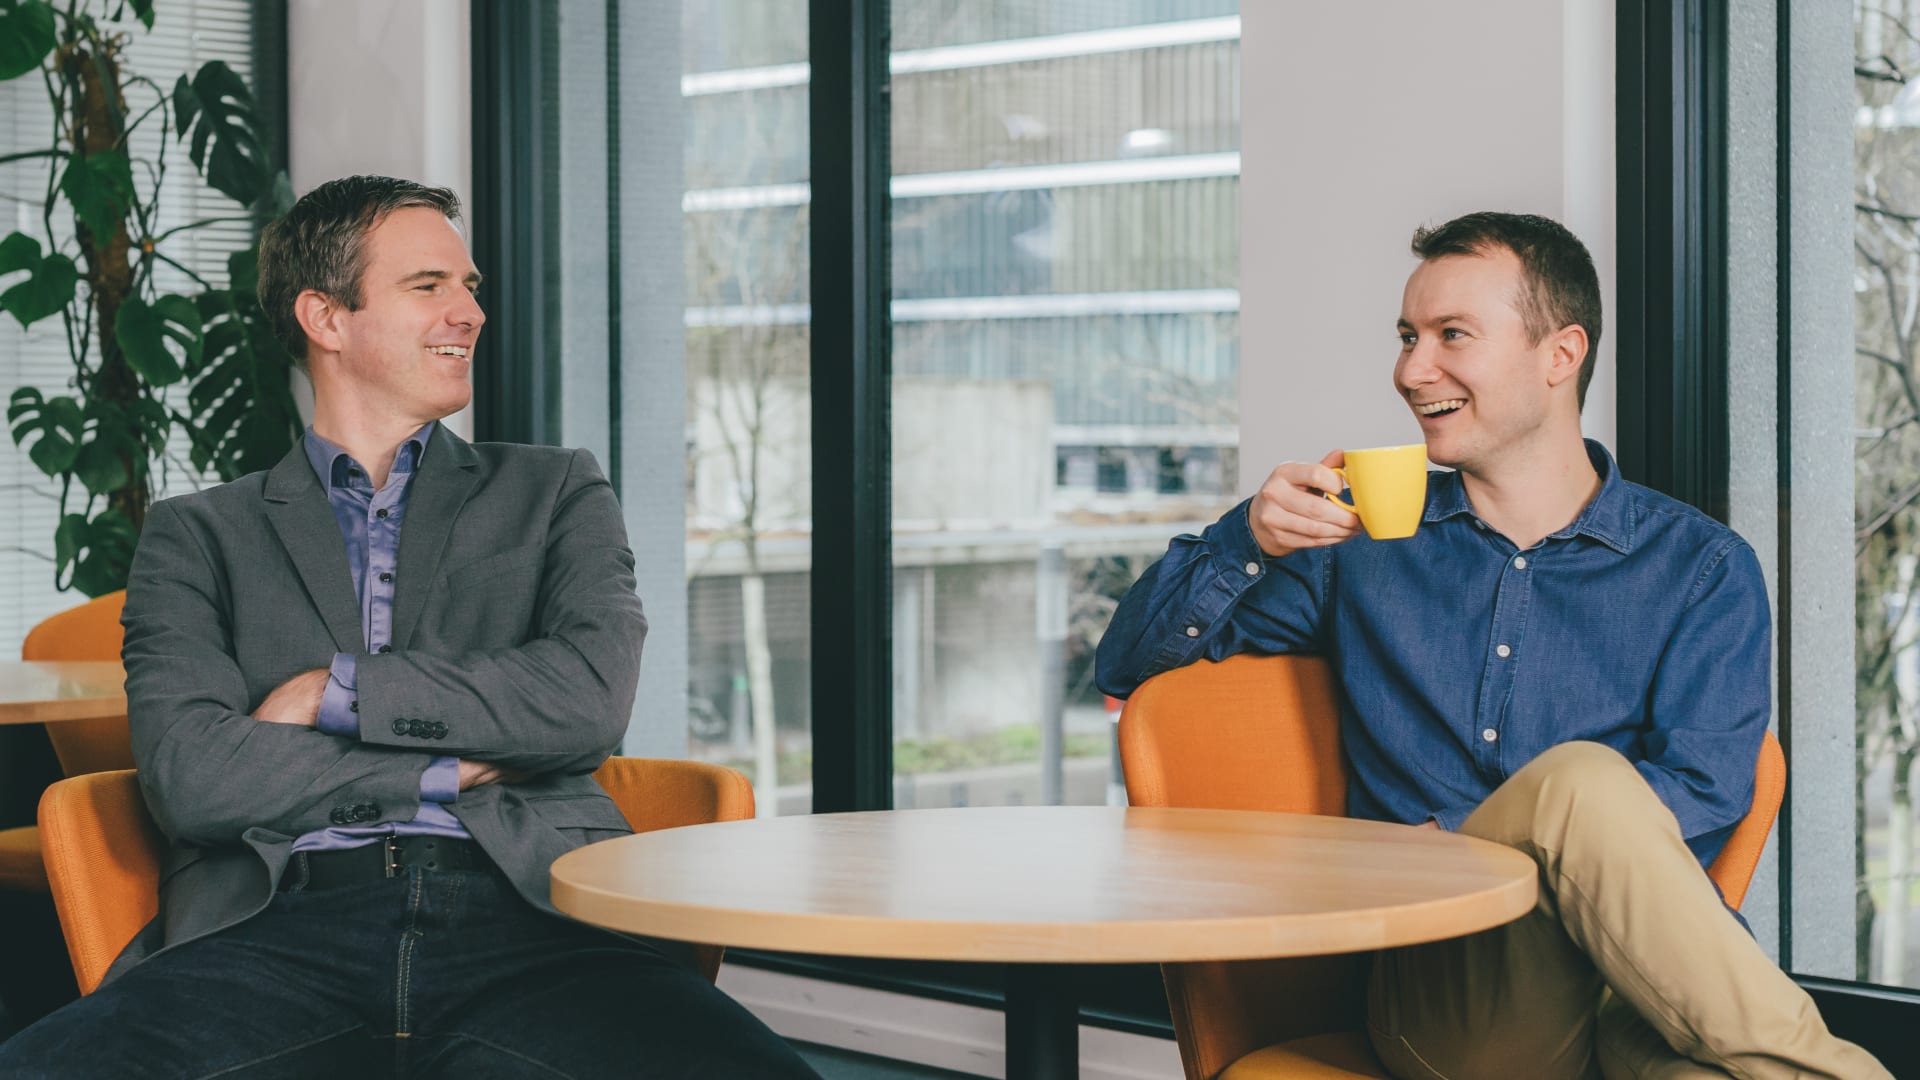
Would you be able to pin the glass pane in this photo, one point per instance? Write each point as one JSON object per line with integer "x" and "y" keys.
{"x": 689, "y": 373}
{"x": 1887, "y": 485}
{"x": 1065, "y": 357}
{"x": 748, "y": 479}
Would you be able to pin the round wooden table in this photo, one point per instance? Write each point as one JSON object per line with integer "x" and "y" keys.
{"x": 1039, "y": 888}
{"x": 47, "y": 691}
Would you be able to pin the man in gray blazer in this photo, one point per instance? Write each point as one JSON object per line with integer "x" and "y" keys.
{"x": 368, "y": 689}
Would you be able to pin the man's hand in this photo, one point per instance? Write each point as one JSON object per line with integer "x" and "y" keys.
{"x": 1290, "y": 513}
{"x": 475, "y": 773}
{"x": 296, "y": 701}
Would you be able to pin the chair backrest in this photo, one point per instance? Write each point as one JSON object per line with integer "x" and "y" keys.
{"x": 88, "y": 632}
{"x": 1263, "y": 733}
{"x": 660, "y": 793}
{"x": 103, "y": 851}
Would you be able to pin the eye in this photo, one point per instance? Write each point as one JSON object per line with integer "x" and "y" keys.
{"x": 1408, "y": 339}
{"x": 428, "y": 287}
{"x": 1453, "y": 333}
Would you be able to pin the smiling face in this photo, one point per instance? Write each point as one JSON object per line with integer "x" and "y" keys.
{"x": 409, "y": 346}
{"x": 1480, "y": 388}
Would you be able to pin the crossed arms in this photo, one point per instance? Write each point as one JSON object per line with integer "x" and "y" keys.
{"x": 214, "y": 764}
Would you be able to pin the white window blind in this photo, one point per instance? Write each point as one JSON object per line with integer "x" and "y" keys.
{"x": 185, "y": 35}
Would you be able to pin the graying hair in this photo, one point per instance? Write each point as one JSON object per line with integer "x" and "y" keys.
{"x": 321, "y": 244}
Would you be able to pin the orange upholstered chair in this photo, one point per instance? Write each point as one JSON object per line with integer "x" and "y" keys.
{"x": 103, "y": 852}
{"x": 88, "y": 632}
{"x": 1263, "y": 733}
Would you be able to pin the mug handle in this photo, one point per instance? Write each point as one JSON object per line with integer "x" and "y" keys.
{"x": 1336, "y": 499}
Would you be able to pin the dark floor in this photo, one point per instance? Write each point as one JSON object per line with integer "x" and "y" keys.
{"x": 836, "y": 1064}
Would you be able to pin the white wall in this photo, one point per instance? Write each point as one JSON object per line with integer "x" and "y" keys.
{"x": 380, "y": 87}
{"x": 1361, "y": 122}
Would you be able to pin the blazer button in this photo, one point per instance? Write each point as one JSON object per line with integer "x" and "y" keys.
{"x": 439, "y": 729}
{"x": 386, "y": 648}
{"x": 338, "y": 817}
{"x": 399, "y": 725}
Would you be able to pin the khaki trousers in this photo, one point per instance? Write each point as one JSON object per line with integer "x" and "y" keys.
{"x": 1629, "y": 966}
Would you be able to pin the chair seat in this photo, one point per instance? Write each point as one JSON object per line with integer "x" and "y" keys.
{"x": 21, "y": 867}
{"x": 1343, "y": 1055}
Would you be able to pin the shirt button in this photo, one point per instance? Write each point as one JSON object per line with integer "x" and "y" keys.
{"x": 354, "y": 705}
{"x": 1253, "y": 569}
{"x": 1501, "y": 651}
{"x": 1519, "y": 562}
{"x": 1490, "y": 735}
{"x": 380, "y": 513}
{"x": 1193, "y": 631}
{"x": 384, "y": 578}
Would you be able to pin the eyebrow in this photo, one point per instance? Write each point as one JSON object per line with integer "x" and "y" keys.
{"x": 472, "y": 279}
{"x": 1440, "y": 320}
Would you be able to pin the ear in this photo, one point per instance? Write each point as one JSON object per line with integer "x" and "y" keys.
{"x": 320, "y": 316}
{"x": 1568, "y": 350}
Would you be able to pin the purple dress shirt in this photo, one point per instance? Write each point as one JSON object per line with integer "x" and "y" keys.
{"x": 370, "y": 524}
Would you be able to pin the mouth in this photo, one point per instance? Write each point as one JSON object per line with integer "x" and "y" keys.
{"x": 1434, "y": 410}
{"x": 459, "y": 351}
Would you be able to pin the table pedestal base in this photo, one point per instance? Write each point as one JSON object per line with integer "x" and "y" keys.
{"x": 1043, "y": 1023}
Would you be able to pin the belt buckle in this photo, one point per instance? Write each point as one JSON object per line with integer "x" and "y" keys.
{"x": 391, "y": 845}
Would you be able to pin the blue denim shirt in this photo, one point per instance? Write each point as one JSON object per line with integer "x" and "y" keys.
{"x": 370, "y": 524}
{"x": 1643, "y": 625}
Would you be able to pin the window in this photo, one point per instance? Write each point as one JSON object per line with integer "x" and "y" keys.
{"x": 670, "y": 255}
{"x": 1065, "y": 255}
{"x": 1886, "y": 444}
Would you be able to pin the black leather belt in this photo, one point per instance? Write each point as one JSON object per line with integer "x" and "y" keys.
{"x": 386, "y": 858}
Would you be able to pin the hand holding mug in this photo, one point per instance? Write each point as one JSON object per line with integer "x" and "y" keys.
{"x": 1295, "y": 509}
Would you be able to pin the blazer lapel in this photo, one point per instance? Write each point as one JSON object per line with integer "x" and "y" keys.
{"x": 449, "y": 471}
{"x": 297, "y": 508}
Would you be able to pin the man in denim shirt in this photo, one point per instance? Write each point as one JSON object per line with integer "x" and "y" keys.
{"x": 1559, "y": 660}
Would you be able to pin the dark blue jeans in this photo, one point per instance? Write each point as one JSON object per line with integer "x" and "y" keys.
{"x": 430, "y": 974}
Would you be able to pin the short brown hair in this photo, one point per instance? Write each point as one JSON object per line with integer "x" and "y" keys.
{"x": 1560, "y": 286}
{"x": 321, "y": 244}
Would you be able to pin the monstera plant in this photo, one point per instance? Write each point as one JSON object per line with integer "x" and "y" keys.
{"x": 149, "y": 368}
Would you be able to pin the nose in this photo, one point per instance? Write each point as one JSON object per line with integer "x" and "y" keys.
{"x": 1416, "y": 368}
{"x": 466, "y": 312}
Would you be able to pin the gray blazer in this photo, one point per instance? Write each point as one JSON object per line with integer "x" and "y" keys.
{"x": 515, "y": 625}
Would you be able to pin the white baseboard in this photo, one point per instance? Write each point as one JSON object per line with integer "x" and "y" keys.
{"x": 964, "y": 1038}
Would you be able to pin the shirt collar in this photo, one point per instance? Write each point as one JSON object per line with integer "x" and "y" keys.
{"x": 330, "y": 462}
{"x": 1608, "y": 516}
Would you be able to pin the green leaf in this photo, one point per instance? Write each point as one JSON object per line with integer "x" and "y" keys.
{"x": 100, "y": 467}
{"x": 186, "y": 105}
{"x": 162, "y": 340}
{"x": 100, "y": 551}
{"x": 114, "y": 453}
{"x": 55, "y": 425}
{"x": 243, "y": 416}
{"x": 100, "y": 187}
{"x": 26, "y": 36}
{"x": 144, "y": 9}
{"x": 20, "y": 252}
{"x": 243, "y": 270}
{"x": 229, "y": 143}
{"x": 50, "y": 282}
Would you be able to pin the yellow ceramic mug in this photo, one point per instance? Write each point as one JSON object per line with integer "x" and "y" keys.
{"x": 1389, "y": 485}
